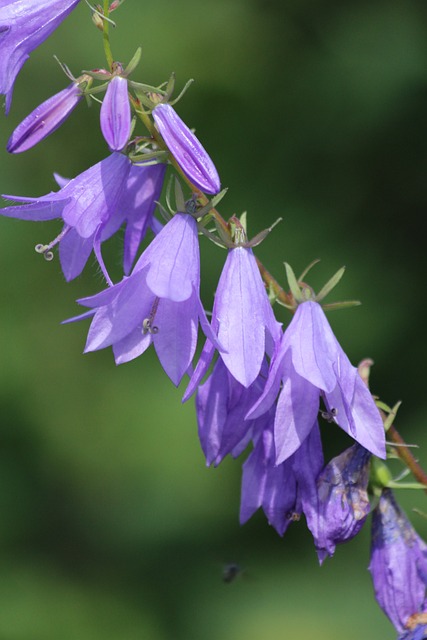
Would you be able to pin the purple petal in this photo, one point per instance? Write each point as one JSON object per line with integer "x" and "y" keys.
{"x": 24, "y": 25}
{"x": 176, "y": 340}
{"x": 175, "y": 263}
{"x": 74, "y": 252}
{"x": 186, "y": 149}
{"x": 116, "y": 115}
{"x": 242, "y": 311}
{"x": 131, "y": 346}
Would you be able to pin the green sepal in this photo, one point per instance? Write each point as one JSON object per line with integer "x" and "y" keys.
{"x": 345, "y": 304}
{"x": 391, "y": 416}
{"x": 133, "y": 63}
{"x": 307, "y": 269}
{"x": 380, "y": 475}
{"x": 331, "y": 284}
{"x": 256, "y": 240}
{"x": 293, "y": 284}
{"x": 406, "y": 485}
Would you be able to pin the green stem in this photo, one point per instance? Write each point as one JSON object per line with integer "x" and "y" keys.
{"x": 106, "y": 36}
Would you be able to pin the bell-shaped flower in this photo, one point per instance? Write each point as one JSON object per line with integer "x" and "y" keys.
{"x": 242, "y": 318}
{"x": 158, "y": 303}
{"x": 24, "y": 25}
{"x": 93, "y": 207}
{"x": 221, "y": 406}
{"x": 310, "y": 364}
{"x": 343, "y": 503}
{"x": 283, "y": 491}
{"x": 116, "y": 115}
{"x": 45, "y": 119}
{"x": 398, "y": 565}
{"x": 186, "y": 149}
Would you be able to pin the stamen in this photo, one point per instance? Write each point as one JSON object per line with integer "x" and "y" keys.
{"x": 329, "y": 415}
{"x": 46, "y": 249}
{"x": 293, "y": 516}
{"x": 147, "y": 323}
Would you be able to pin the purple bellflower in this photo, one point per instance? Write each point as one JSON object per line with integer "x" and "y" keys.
{"x": 158, "y": 303}
{"x": 398, "y": 565}
{"x": 242, "y": 318}
{"x": 116, "y": 115}
{"x": 186, "y": 149}
{"x": 309, "y": 364}
{"x": 286, "y": 490}
{"x": 93, "y": 206}
{"x": 24, "y": 25}
{"x": 343, "y": 503}
{"x": 45, "y": 119}
{"x": 221, "y": 406}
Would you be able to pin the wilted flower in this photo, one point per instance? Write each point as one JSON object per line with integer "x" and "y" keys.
{"x": 310, "y": 363}
{"x": 398, "y": 565}
{"x": 343, "y": 503}
{"x": 116, "y": 115}
{"x": 45, "y": 119}
{"x": 286, "y": 490}
{"x": 93, "y": 206}
{"x": 242, "y": 318}
{"x": 186, "y": 149}
{"x": 24, "y": 25}
{"x": 158, "y": 303}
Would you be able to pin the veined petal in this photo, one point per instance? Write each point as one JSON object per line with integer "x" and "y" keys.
{"x": 95, "y": 194}
{"x": 242, "y": 311}
{"x": 74, "y": 252}
{"x": 176, "y": 340}
{"x": 131, "y": 346}
{"x": 186, "y": 149}
{"x": 296, "y": 413}
{"x": 310, "y": 338}
{"x": 115, "y": 114}
{"x": 37, "y": 210}
{"x": 175, "y": 260}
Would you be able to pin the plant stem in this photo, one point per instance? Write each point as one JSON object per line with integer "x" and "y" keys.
{"x": 106, "y": 36}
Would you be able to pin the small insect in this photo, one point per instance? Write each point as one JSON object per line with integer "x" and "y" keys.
{"x": 293, "y": 516}
{"x": 329, "y": 415}
{"x": 230, "y": 572}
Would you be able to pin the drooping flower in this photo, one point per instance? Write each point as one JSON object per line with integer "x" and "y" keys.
{"x": 116, "y": 115}
{"x": 242, "y": 318}
{"x": 286, "y": 490}
{"x": 158, "y": 303}
{"x": 343, "y": 503}
{"x": 221, "y": 406}
{"x": 398, "y": 565}
{"x": 309, "y": 364}
{"x": 93, "y": 207}
{"x": 186, "y": 149}
{"x": 45, "y": 119}
{"x": 24, "y": 25}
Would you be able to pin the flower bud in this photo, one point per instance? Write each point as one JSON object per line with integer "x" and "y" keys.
{"x": 116, "y": 114}
{"x": 45, "y": 119}
{"x": 186, "y": 149}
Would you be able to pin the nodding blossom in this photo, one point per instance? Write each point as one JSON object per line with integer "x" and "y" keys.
{"x": 24, "y": 25}
{"x": 310, "y": 365}
{"x": 158, "y": 303}
{"x": 93, "y": 206}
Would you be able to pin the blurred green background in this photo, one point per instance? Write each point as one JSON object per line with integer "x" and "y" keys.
{"x": 111, "y": 526}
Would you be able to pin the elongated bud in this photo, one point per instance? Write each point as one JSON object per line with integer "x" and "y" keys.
{"x": 45, "y": 119}
{"x": 116, "y": 114}
{"x": 186, "y": 149}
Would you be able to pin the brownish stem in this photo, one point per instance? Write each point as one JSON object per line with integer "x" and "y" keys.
{"x": 406, "y": 455}
{"x": 270, "y": 281}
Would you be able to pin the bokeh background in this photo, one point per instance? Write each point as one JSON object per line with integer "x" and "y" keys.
{"x": 111, "y": 526}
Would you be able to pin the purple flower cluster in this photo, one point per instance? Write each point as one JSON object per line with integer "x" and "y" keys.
{"x": 256, "y": 384}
